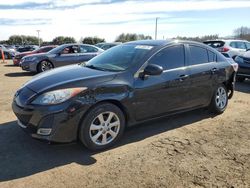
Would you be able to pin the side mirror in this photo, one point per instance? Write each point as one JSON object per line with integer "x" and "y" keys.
{"x": 152, "y": 70}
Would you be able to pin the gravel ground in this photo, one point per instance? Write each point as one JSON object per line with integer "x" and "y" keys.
{"x": 194, "y": 149}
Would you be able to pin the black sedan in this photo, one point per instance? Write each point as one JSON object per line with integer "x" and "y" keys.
{"x": 244, "y": 66}
{"x": 128, "y": 84}
{"x": 65, "y": 54}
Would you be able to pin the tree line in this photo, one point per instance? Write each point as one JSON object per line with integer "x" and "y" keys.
{"x": 239, "y": 33}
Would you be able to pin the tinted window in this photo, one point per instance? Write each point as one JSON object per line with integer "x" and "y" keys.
{"x": 198, "y": 55}
{"x": 215, "y": 44}
{"x": 87, "y": 49}
{"x": 170, "y": 57}
{"x": 211, "y": 56}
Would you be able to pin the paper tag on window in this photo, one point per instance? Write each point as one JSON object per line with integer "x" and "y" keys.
{"x": 144, "y": 47}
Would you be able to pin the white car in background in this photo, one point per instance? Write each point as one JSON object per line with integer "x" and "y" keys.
{"x": 229, "y": 48}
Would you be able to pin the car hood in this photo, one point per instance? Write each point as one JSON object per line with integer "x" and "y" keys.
{"x": 68, "y": 76}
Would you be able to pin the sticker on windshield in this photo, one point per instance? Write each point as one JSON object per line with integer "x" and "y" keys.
{"x": 144, "y": 47}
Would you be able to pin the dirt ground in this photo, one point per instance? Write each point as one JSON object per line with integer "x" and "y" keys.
{"x": 194, "y": 149}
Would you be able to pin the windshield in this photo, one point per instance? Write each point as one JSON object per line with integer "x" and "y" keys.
{"x": 119, "y": 58}
{"x": 57, "y": 49}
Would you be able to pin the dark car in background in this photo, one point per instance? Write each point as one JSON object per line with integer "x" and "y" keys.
{"x": 244, "y": 66}
{"x": 43, "y": 49}
{"x": 105, "y": 45}
{"x": 128, "y": 84}
{"x": 65, "y": 54}
{"x": 27, "y": 48}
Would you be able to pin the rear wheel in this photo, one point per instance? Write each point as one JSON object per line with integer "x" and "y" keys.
{"x": 220, "y": 100}
{"x": 44, "y": 66}
{"x": 102, "y": 126}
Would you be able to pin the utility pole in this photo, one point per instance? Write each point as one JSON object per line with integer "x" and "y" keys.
{"x": 156, "y": 24}
{"x": 38, "y": 33}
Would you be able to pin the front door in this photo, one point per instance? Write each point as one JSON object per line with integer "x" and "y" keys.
{"x": 69, "y": 55}
{"x": 165, "y": 93}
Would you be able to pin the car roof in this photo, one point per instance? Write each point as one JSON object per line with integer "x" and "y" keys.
{"x": 151, "y": 42}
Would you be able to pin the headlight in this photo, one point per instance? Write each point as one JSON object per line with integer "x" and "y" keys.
{"x": 239, "y": 59}
{"x": 30, "y": 58}
{"x": 57, "y": 96}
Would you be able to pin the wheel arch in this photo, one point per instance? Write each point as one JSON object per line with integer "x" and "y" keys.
{"x": 38, "y": 64}
{"x": 111, "y": 101}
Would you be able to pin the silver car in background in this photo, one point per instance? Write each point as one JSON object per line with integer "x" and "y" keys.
{"x": 229, "y": 48}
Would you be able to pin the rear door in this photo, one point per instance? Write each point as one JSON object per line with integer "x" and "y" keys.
{"x": 203, "y": 70}
{"x": 165, "y": 93}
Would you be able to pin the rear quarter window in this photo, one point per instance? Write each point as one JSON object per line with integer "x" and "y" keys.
{"x": 211, "y": 56}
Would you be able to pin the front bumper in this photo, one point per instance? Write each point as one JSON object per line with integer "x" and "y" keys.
{"x": 29, "y": 65}
{"x": 59, "y": 119}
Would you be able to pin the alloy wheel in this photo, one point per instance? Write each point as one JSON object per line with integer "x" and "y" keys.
{"x": 221, "y": 98}
{"x": 45, "y": 65}
{"x": 104, "y": 128}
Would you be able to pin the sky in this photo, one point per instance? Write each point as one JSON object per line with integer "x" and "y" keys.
{"x": 109, "y": 18}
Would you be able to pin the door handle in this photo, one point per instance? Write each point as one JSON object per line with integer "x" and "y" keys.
{"x": 213, "y": 70}
{"x": 183, "y": 77}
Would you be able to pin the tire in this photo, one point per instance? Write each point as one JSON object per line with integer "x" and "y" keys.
{"x": 44, "y": 66}
{"x": 96, "y": 132}
{"x": 220, "y": 100}
{"x": 240, "y": 79}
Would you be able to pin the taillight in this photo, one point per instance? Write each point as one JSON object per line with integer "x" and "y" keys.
{"x": 224, "y": 49}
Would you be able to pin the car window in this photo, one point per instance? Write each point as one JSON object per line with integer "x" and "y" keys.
{"x": 198, "y": 55}
{"x": 247, "y": 45}
{"x": 47, "y": 49}
{"x": 233, "y": 45}
{"x": 215, "y": 44}
{"x": 87, "y": 49}
{"x": 211, "y": 56}
{"x": 239, "y": 45}
{"x": 119, "y": 58}
{"x": 70, "y": 49}
{"x": 170, "y": 57}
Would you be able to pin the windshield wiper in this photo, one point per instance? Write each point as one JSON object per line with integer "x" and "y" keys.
{"x": 96, "y": 68}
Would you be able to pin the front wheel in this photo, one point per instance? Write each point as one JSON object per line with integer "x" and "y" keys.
{"x": 102, "y": 126}
{"x": 220, "y": 100}
{"x": 44, "y": 66}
